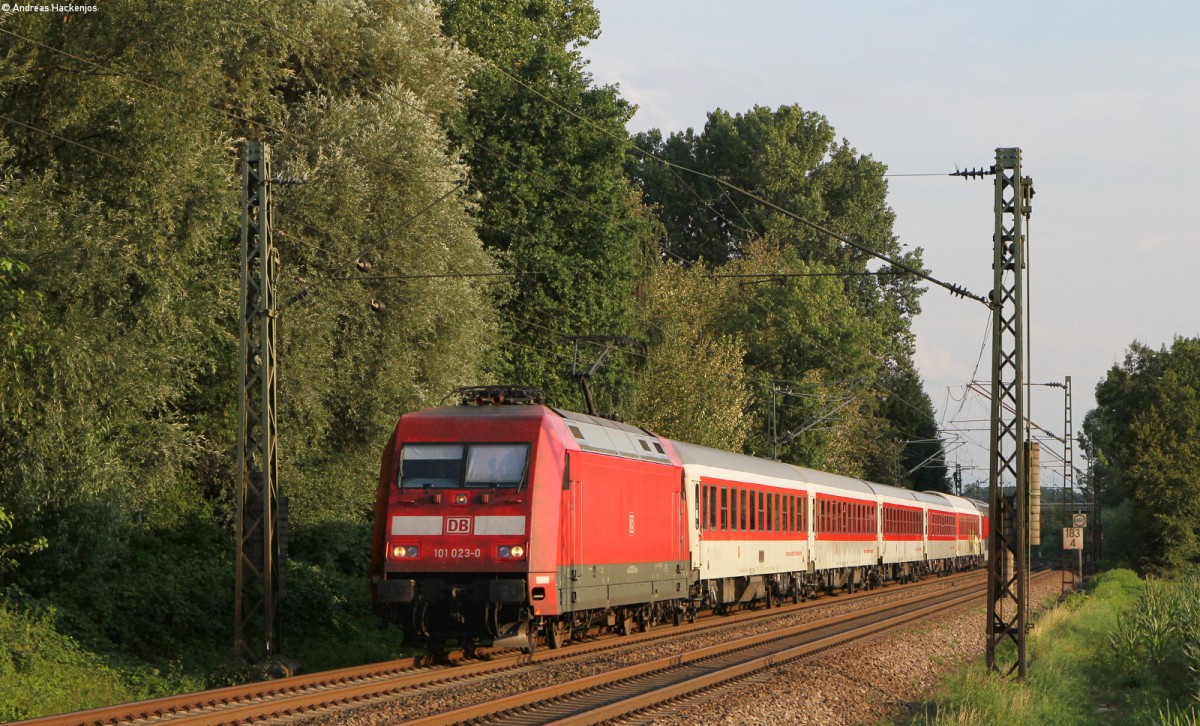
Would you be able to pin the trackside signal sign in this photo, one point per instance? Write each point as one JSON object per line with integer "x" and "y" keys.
{"x": 1072, "y": 538}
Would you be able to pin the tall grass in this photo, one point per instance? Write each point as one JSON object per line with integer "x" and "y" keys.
{"x": 1127, "y": 652}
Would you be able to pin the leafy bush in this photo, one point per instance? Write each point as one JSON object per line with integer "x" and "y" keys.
{"x": 45, "y": 672}
{"x": 328, "y": 622}
{"x": 168, "y": 596}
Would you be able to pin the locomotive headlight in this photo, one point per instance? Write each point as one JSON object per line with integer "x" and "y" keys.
{"x": 400, "y": 552}
{"x": 510, "y": 552}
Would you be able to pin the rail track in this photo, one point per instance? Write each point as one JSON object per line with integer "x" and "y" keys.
{"x": 291, "y": 699}
{"x": 676, "y": 678}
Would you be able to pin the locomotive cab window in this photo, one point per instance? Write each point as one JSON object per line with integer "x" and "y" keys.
{"x": 434, "y": 465}
{"x": 496, "y": 464}
{"x": 451, "y": 466}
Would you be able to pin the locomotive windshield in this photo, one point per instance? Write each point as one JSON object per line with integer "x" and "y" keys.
{"x": 452, "y": 466}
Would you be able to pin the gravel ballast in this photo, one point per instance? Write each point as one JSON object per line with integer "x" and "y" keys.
{"x": 863, "y": 682}
{"x": 858, "y": 683}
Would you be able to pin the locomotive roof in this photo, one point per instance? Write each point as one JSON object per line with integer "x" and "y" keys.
{"x": 603, "y": 435}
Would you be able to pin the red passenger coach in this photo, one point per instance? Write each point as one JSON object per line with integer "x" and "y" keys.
{"x": 495, "y": 523}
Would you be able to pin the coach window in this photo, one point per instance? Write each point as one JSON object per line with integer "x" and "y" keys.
{"x": 431, "y": 465}
{"x": 770, "y": 512}
{"x": 712, "y": 507}
{"x": 741, "y": 510}
{"x": 724, "y": 509}
{"x": 754, "y": 513}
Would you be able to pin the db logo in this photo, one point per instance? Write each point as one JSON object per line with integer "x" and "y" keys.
{"x": 458, "y": 525}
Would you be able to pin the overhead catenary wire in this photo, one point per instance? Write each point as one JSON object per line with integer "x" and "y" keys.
{"x": 953, "y": 288}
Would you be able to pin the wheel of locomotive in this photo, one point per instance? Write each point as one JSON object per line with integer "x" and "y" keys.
{"x": 677, "y": 615}
{"x": 558, "y": 632}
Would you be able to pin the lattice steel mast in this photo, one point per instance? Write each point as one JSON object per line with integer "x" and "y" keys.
{"x": 1068, "y": 477}
{"x": 261, "y": 553}
{"x": 1009, "y": 537}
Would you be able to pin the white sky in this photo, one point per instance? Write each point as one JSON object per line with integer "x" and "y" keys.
{"x": 1103, "y": 98}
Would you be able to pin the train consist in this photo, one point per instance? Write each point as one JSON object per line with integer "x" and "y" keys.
{"x": 503, "y": 521}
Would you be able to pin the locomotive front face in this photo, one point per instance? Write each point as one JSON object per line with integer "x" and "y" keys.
{"x": 460, "y": 507}
{"x": 458, "y": 541}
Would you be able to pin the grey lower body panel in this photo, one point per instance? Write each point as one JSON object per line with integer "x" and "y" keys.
{"x": 592, "y": 587}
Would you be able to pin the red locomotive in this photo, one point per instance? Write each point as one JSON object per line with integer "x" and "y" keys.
{"x": 503, "y": 521}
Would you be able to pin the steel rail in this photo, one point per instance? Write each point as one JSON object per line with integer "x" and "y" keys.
{"x": 518, "y": 708}
{"x": 360, "y": 685}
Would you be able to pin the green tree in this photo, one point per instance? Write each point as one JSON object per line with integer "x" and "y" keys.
{"x": 1145, "y": 434}
{"x": 802, "y": 335}
{"x": 790, "y": 157}
{"x": 693, "y": 385}
{"x": 910, "y": 418}
{"x": 122, "y": 212}
{"x": 546, "y": 148}
{"x": 841, "y": 343}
